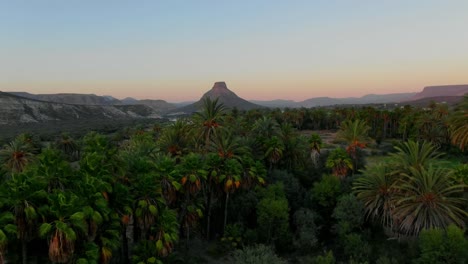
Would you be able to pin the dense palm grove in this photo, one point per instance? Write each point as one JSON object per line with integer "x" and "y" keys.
{"x": 244, "y": 187}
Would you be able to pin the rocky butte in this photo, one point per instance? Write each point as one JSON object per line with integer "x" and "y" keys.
{"x": 225, "y": 96}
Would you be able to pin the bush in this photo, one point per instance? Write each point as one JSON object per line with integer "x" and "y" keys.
{"x": 306, "y": 230}
{"x": 328, "y": 258}
{"x": 326, "y": 191}
{"x": 272, "y": 214}
{"x": 349, "y": 212}
{"x": 259, "y": 254}
{"x": 439, "y": 246}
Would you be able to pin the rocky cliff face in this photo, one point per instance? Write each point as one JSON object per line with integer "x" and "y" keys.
{"x": 442, "y": 90}
{"x": 17, "y": 110}
{"x": 70, "y": 98}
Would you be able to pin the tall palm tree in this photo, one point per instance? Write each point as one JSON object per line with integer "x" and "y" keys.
{"x": 66, "y": 222}
{"x": 459, "y": 125}
{"x": 209, "y": 118}
{"x": 175, "y": 138}
{"x": 339, "y": 162}
{"x": 375, "y": 188}
{"x": 355, "y": 134}
{"x": 429, "y": 198}
{"x": 24, "y": 194}
{"x": 274, "y": 149}
{"x": 315, "y": 144}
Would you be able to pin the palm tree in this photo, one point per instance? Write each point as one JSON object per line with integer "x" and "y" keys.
{"x": 459, "y": 125}
{"x": 315, "y": 144}
{"x": 413, "y": 154}
{"x": 429, "y": 198}
{"x": 7, "y": 227}
{"x": 339, "y": 162}
{"x": 175, "y": 138}
{"x": 23, "y": 194}
{"x": 16, "y": 155}
{"x": 68, "y": 146}
{"x": 209, "y": 118}
{"x": 265, "y": 128}
{"x": 66, "y": 222}
{"x": 375, "y": 188}
{"x": 355, "y": 134}
{"x": 274, "y": 148}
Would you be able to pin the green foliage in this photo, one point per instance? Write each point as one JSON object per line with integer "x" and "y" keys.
{"x": 327, "y": 258}
{"x": 326, "y": 191}
{"x": 355, "y": 247}
{"x": 233, "y": 237}
{"x": 340, "y": 162}
{"x": 305, "y": 238}
{"x": 259, "y": 254}
{"x": 439, "y": 246}
{"x": 272, "y": 214}
{"x": 349, "y": 213}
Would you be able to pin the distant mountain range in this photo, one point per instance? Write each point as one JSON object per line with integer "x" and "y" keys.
{"x": 16, "y": 110}
{"x": 159, "y": 106}
{"x": 22, "y": 107}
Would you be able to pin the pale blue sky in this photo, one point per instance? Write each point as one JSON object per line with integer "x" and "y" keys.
{"x": 176, "y": 50}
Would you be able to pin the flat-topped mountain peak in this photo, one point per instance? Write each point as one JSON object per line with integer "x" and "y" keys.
{"x": 225, "y": 96}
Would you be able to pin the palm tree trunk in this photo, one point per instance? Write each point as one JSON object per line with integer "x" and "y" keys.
{"x": 225, "y": 211}
{"x": 208, "y": 220}
{"x": 24, "y": 251}
{"x": 125, "y": 245}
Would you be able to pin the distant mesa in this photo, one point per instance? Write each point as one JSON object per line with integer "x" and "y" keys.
{"x": 224, "y": 96}
{"x": 442, "y": 91}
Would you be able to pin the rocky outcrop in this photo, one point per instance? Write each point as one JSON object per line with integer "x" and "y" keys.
{"x": 224, "y": 96}
{"x": 442, "y": 90}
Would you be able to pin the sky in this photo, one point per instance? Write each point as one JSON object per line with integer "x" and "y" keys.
{"x": 263, "y": 49}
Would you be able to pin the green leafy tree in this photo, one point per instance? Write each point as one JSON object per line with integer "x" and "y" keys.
{"x": 349, "y": 213}
{"x": 442, "y": 246}
{"x": 326, "y": 191}
{"x": 272, "y": 213}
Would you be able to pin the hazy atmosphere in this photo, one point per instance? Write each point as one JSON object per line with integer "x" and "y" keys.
{"x": 175, "y": 50}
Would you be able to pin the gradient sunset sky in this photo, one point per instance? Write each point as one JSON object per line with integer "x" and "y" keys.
{"x": 175, "y": 49}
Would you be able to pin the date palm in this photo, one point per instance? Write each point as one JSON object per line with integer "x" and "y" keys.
{"x": 429, "y": 198}
{"x": 209, "y": 119}
{"x": 413, "y": 154}
{"x": 458, "y": 123}
{"x": 375, "y": 188}
{"x": 315, "y": 144}
{"x": 355, "y": 134}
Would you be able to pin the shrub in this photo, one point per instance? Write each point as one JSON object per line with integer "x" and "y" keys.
{"x": 259, "y": 254}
